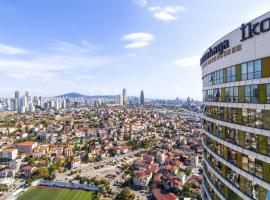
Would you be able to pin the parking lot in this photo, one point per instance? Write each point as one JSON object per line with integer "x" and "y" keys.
{"x": 109, "y": 168}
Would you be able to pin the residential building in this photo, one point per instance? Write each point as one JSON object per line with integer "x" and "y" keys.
{"x": 160, "y": 195}
{"x": 8, "y": 154}
{"x": 142, "y": 178}
{"x": 26, "y": 147}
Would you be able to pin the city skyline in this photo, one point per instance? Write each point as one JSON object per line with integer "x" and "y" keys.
{"x": 99, "y": 53}
{"x": 134, "y": 99}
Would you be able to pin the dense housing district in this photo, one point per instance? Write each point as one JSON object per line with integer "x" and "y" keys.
{"x": 119, "y": 152}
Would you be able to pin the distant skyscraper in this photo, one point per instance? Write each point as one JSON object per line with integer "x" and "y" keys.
{"x": 17, "y": 100}
{"x": 125, "y": 99}
{"x": 142, "y": 98}
{"x": 17, "y": 94}
{"x": 28, "y": 97}
{"x": 120, "y": 100}
{"x": 24, "y": 101}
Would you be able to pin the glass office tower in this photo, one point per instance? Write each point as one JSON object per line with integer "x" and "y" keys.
{"x": 236, "y": 93}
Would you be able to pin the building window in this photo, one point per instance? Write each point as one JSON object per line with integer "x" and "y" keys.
{"x": 259, "y": 168}
{"x": 268, "y": 93}
{"x": 251, "y": 70}
{"x": 251, "y": 94}
{"x": 257, "y": 69}
{"x": 231, "y": 74}
{"x": 230, "y": 94}
{"x": 209, "y": 80}
{"x": 235, "y": 94}
{"x": 251, "y": 165}
{"x": 247, "y": 94}
{"x": 259, "y": 119}
{"x": 219, "y": 77}
{"x": 244, "y": 71}
{"x": 217, "y": 95}
{"x": 245, "y": 162}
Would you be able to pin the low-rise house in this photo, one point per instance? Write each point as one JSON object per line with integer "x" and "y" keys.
{"x": 56, "y": 151}
{"x": 161, "y": 195}
{"x": 142, "y": 178}
{"x": 68, "y": 151}
{"x": 26, "y": 147}
{"x": 7, "y": 173}
{"x": 174, "y": 169}
{"x": 15, "y": 164}
{"x": 76, "y": 162}
{"x": 175, "y": 183}
{"x": 102, "y": 154}
{"x": 44, "y": 135}
{"x": 182, "y": 176}
{"x": 160, "y": 157}
{"x": 8, "y": 154}
{"x": 124, "y": 149}
{"x": 28, "y": 170}
{"x": 158, "y": 178}
{"x": 194, "y": 161}
{"x": 138, "y": 163}
{"x": 148, "y": 158}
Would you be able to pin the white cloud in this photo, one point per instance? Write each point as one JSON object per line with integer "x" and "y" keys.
{"x": 69, "y": 48}
{"x": 168, "y": 13}
{"x": 138, "y": 40}
{"x": 10, "y": 50}
{"x": 188, "y": 62}
{"x": 82, "y": 77}
{"x": 66, "y": 57}
{"x": 141, "y": 3}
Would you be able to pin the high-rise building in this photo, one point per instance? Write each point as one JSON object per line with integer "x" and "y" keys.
{"x": 17, "y": 94}
{"x": 125, "y": 98}
{"x": 27, "y": 96}
{"x": 17, "y": 100}
{"x": 236, "y": 93}
{"x": 120, "y": 100}
{"x": 142, "y": 98}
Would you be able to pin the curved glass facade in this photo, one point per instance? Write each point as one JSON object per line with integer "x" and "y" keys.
{"x": 236, "y": 93}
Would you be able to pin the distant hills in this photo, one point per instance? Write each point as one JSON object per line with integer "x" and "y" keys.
{"x": 77, "y": 95}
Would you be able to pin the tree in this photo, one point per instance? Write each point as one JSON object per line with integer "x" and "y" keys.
{"x": 98, "y": 196}
{"x": 28, "y": 182}
{"x": 126, "y": 136}
{"x": 125, "y": 194}
{"x": 185, "y": 191}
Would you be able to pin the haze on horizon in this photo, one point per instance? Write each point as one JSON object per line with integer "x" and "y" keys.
{"x": 99, "y": 47}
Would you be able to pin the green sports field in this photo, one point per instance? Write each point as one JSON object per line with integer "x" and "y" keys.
{"x": 53, "y": 193}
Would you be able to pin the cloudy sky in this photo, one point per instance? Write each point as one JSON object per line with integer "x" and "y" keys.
{"x": 95, "y": 47}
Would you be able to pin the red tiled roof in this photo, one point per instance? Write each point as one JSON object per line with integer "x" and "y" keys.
{"x": 159, "y": 195}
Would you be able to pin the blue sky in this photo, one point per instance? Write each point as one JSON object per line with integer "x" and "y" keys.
{"x": 52, "y": 47}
